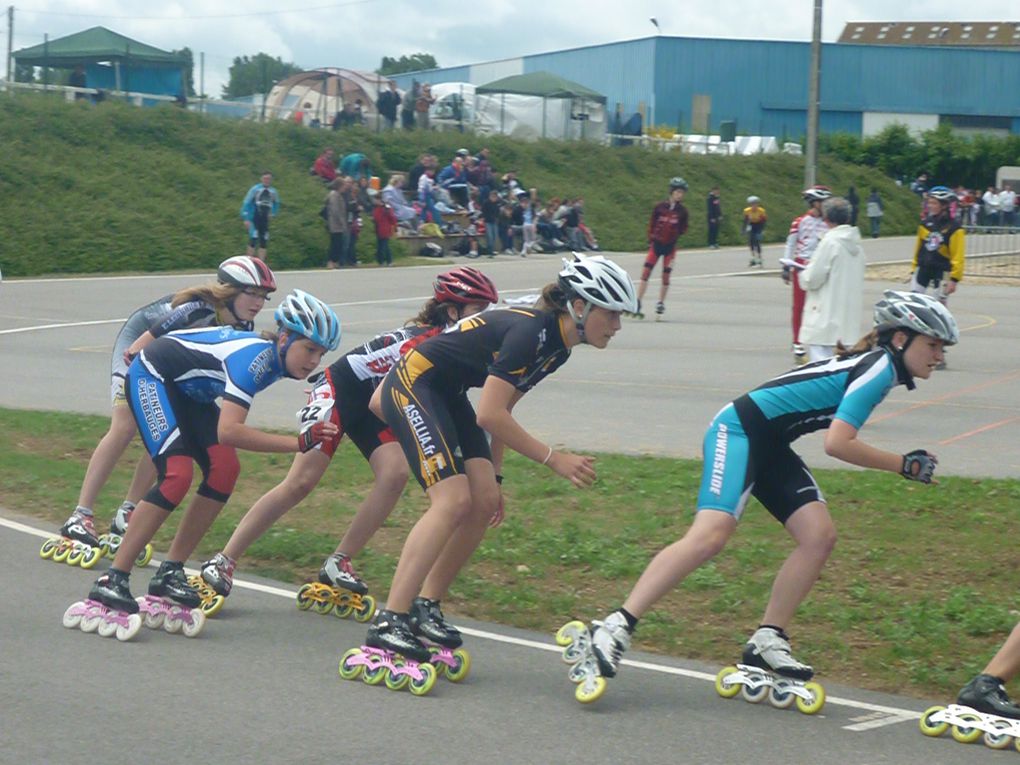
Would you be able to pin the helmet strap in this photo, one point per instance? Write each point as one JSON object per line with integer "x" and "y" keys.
{"x": 291, "y": 337}
{"x": 579, "y": 320}
{"x": 898, "y": 363}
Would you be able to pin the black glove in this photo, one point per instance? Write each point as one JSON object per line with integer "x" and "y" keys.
{"x": 919, "y": 465}
{"x": 311, "y": 437}
{"x": 786, "y": 274}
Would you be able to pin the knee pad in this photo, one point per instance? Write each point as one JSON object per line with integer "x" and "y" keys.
{"x": 665, "y": 275}
{"x": 173, "y": 482}
{"x": 222, "y": 473}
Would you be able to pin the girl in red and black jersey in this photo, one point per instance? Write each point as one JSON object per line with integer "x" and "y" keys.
{"x": 668, "y": 223}
{"x": 340, "y": 395}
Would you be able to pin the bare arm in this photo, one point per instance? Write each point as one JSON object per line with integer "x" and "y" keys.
{"x": 132, "y": 350}
{"x": 842, "y": 443}
{"x": 232, "y": 431}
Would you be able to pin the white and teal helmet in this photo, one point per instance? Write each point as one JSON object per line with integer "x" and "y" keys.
{"x": 916, "y": 312}
{"x": 309, "y": 317}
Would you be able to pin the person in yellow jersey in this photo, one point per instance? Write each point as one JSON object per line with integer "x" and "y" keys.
{"x": 754, "y": 225}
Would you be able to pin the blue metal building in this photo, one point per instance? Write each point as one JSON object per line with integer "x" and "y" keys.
{"x": 695, "y": 83}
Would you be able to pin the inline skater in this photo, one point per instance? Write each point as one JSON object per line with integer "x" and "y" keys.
{"x": 986, "y": 692}
{"x": 747, "y": 453}
{"x": 242, "y": 287}
{"x": 505, "y": 352}
{"x": 171, "y": 388}
{"x": 667, "y": 224}
{"x": 806, "y": 231}
{"x": 754, "y": 225}
{"x": 341, "y": 394}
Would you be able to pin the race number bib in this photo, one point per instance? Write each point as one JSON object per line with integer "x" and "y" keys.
{"x": 315, "y": 411}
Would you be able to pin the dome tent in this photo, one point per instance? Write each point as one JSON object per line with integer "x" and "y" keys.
{"x": 326, "y": 90}
{"x": 541, "y": 105}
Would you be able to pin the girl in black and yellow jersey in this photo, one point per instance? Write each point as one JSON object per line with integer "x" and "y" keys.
{"x": 754, "y": 226}
{"x": 940, "y": 247}
{"x": 505, "y": 352}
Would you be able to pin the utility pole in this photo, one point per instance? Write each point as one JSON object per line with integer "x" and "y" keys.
{"x": 814, "y": 88}
{"x": 201, "y": 78}
{"x": 10, "y": 44}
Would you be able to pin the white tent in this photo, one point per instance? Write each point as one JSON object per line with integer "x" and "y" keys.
{"x": 325, "y": 91}
{"x": 540, "y": 105}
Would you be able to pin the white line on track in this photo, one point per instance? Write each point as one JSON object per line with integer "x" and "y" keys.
{"x": 892, "y": 716}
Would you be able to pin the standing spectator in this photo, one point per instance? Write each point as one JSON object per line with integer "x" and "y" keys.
{"x": 421, "y": 106}
{"x": 1007, "y": 206}
{"x": 393, "y": 196}
{"x": 971, "y": 207}
{"x": 875, "y": 210}
{"x": 714, "y": 217}
{"x": 408, "y": 105}
{"x": 855, "y": 204}
{"x": 324, "y": 167}
{"x": 261, "y": 203}
{"x": 990, "y": 206}
{"x": 490, "y": 215}
{"x": 387, "y": 105}
{"x": 528, "y": 219}
{"x": 755, "y": 219}
{"x": 505, "y": 223}
{"x": 358, "y": 202}
{"x": 77, "y": 80}
{"x": 920, "y": 184}
{"x": 571, "y": 224}
{"x": 358, "y": 117}
{"x": 667, "y": 224}
{"x": 805, "y": 233}
{"x": 834, "y": 283}
{"x": 336, "y": 222}
{"x": 385, "y": 226}
{"x": 356, "y": 166}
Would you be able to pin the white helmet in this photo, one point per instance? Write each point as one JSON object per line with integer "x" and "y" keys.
{"x": 599, "y": 282}
{"x": 916, "y": 312}
{"x": 245, "y": 271}
{"x": 753, "y": 200}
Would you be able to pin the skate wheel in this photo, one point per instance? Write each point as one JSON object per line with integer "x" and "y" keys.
{"x": 192, "y": 628}
{"x": 967, "y": 735}
{"x": 1016, "y": 743}
{"x": 998, "y": 740}
{"x": 48, "y": 548}
{"x": 424, "y": 685}
{"x": 127, "y": 631}
{"x": 461, "y": 666}
{"x": 91, "y": 557}
{"x": 348, "y": 669}
{"x": 322, "y": 606}
{"x": 817, "y": 701}
{"x": 104, "y": 545}
{"x": 106, "y": 629}
{"x": 930, "y": 728}
{"x": 74, "y": 557}
{"x": 396, "y": 681}
{"x": 172, "y": 624}
{"x": 780, "y": 695}
{"x": 153, "y": 621}
{"x": 567, "y": 634}
{"x": 726, "y": 689}
{"x": 213, "y": 606}
{"x": 90, "y": 622}
{"x": 754, "y": 695}
{"x": 73, "y": 614}
{"x": 374, "y": 675}
{"x": 61, "y": 553}
{"x": 304, "y": 602}
{"x": 590, "y": 691}
{"x": 342, "y": 612}
{"x": 144, "y": 556}
{"x": 367, "y": 610}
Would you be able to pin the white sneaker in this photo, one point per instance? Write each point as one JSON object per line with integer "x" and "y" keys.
{"x": 609, "y": 640}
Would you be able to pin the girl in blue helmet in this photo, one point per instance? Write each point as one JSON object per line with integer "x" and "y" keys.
{"x": 172, "y": 387}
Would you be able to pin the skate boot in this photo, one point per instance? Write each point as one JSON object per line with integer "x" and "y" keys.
{"x": 983, "y": 710}
{"x": 111, "y": 589}
{"x": 339, "y": 590}
{"x": 391, "y": 631}
{"x": 77, "y": 544}
{"x": 769, "y": 670}
{"x": 218, "y": 573}
{"x": 609, "y": 640}
{"x": 171, "y": 582}
{"x": 660, "y": 309}
{"x": 109, "y": 610}
{"x": 391, "y": 654}
{"x": 799, "y": 354}
{"x": 118, "y": 528}
{"x": 593, "y": 653}
{"x": 427, "y": 621}
{"x": 986, "y": 693}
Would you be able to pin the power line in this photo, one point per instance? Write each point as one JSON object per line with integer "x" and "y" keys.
{"x": 198, "y": 18}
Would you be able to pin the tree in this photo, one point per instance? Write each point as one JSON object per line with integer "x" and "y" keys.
{"x": 256, "y": 74}
{"x": 189, "y": 70}
{"x": 412, "y": 63}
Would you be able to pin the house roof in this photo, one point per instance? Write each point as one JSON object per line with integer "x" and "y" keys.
{"x": 92, "y": 45}
{"x": 544, "y": 84}
{"x": 983, "y": 34}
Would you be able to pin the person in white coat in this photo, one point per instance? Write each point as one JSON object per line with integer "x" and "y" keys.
{"x": 834, "y": 283}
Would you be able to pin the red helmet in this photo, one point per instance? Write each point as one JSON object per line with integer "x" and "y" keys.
{"x": 464, "y": 285}
{"x": 245, "y": 271}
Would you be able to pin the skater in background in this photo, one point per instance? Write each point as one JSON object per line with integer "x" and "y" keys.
{"x": 424, "y": 400}
{"x": 667, "y": 224}
{"x": 754, "y": 226}
{"x": 875, "y": 210}
{"x": 747, "y": 453}
{"x": 241, "y": 289}
{"x": 172, "y": 387}
{"x": 805, "y": 233}
{"x": 340, "y": 395}
{"x": 714, "y": 217}
{"x": 261, "y": 203}
{"x": 987, "y": 692}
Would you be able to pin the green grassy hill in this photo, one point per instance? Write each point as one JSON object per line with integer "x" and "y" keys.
{"x": 86, "y": 188}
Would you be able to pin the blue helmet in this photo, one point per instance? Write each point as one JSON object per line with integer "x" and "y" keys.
{"x": 942, "y": 193}
{"x": 308, "y": 316}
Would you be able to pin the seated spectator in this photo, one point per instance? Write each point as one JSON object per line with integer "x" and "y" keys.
{"x": 589, "y": 237}
{"x": 356, "y": 166}
{"x": 454, "y": 179}
{"x": 427, "y": 198}
{"x": 572, "y": 226}
{"x": 393, "y": 196}
{"x": 324, "y": 167}
{"x": 425, "y": 161}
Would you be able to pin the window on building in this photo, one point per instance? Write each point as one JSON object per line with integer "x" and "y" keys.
{"x": 855, "y": 36}
{"x": 906, "y": 35}
{"x": 910, "y": 28}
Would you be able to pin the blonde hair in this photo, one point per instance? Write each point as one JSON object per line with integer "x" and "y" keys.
{"x": 553, "y": 299}
{"x": 219, "y": 296}
{"x": 867, "y": 343}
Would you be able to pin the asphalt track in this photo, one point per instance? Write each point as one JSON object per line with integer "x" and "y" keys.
{"x": 260, "y": 685}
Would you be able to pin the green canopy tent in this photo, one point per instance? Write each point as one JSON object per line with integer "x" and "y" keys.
{"x": 541, "y": 104}
{"x": 112, "y": 61}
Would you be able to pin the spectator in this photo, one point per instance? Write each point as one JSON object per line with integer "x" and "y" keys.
{"x": 408, "y": 105}
{"x": 855, "y": 204}
{"x": 385, "y": 226}
{"x": 358, "y": 202}
{"x": 78, "y": 80}
{"x": 454, "y": 179}
{"x": 393, "y": 196}
{"x": 504, "y": 224}
{"x": 427, "y": 198}
{"x": 714, "y": 217}
{"x": 1007, "y": 206}
{"x": 529, "y": 218}
{"x": 261, "y": 203}
{"x": 336, "y": 222}
{"x": 875, "y": 210}
{"x": 572, "y": 226}
{"x": 990, "y": 207}
{"x": 389, "y": 101}
{"x": 324, "y": 167}
{"x": 337, "y": 121}
{"x": 421, "y": 106}
{"x": 833, "y": 281}
{"x": 425, "y": 162}
{"x": 920, "y": 184}
{"x": 490, "y": 215}
{"x": 358, "y": 113}
{"x": 971, "y": 207}
{"x": 356, "y": 166}
{"x": 299, "y": 114}
{"x": 589, "y": 237}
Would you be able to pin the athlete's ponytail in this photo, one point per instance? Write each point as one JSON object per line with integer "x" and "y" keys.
{"x": 553, "y": 299}
{"x": 435, "y": 314}
{"x": 869, "y": 342}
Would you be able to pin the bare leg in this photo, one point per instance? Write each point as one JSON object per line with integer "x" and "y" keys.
{"x": 110, "y": 449}
{"x": 703, "y": 541}
{"x": 662, "y": 292}
{"x": 812, "y": 529}
{"x": 199, "y": 516}
{"x": 390, "y": 468}
{"x": 1006, "y": 663}
{"x": 144, "y": 478}
{"x": 145, "y": 522}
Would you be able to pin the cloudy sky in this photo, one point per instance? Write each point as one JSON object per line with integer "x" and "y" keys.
{"x": 356, "y": 34}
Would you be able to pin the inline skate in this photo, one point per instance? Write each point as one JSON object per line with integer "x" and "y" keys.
{"x": 391, "y": 655}
{"x": 172, "y": 602}
{"x": 214, "y": 583}
{"x": 339, "y": 590}
{"x": 982, "y": 710}
{"x": 444, "y": 640}
{"x": 638, "y": 314}
{"x": 770, "y": 671}
{"x": 660, "y": 309}
{"x": 111, "y": 542}
{"x": 109, "y": 609}
{"x": 77, "y": 544}
{"x": 593, "y": 653}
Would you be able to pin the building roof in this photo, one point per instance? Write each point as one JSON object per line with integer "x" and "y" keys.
{"x": 91, "y": 46}
{"x": 544, "y": 84}
{"x": 983, "y": 34}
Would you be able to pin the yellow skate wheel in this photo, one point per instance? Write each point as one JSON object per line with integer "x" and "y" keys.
{"x": 61, "y": 553}
{"x": 48, "y": 548}
{"x": 367, "y": 610}
{"x": 929, "y": 728}
{"x": 565, "y": 634}
{"x": 74, "y": 557}
{"x": 91, "y": 557}
{"x": 967, "y": 735}
{"x": 304, "y": 600}
{"x": 1016, "y": 743}
{"x": 588, "y": 692}
{"x": 396, "y": 681}
{"x": 424, "y": 685}
{"x": 322, "y": 606}
{"x": 815, "y": 705}
{"x": 724, "y": 689}
{"x": 104, "y": 545}
{"x": 374, "y": 675}
{"x": 144, "y": 556}
{"x": 342, "y": 612}
{"x": 461, "y": 667}
{"x": 213, "y": 605}
{"x": 348, "y": 669}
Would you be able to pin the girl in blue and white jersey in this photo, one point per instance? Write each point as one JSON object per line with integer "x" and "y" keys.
{"x": 747, "y": 453}
{"x": 172, "y": 387}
